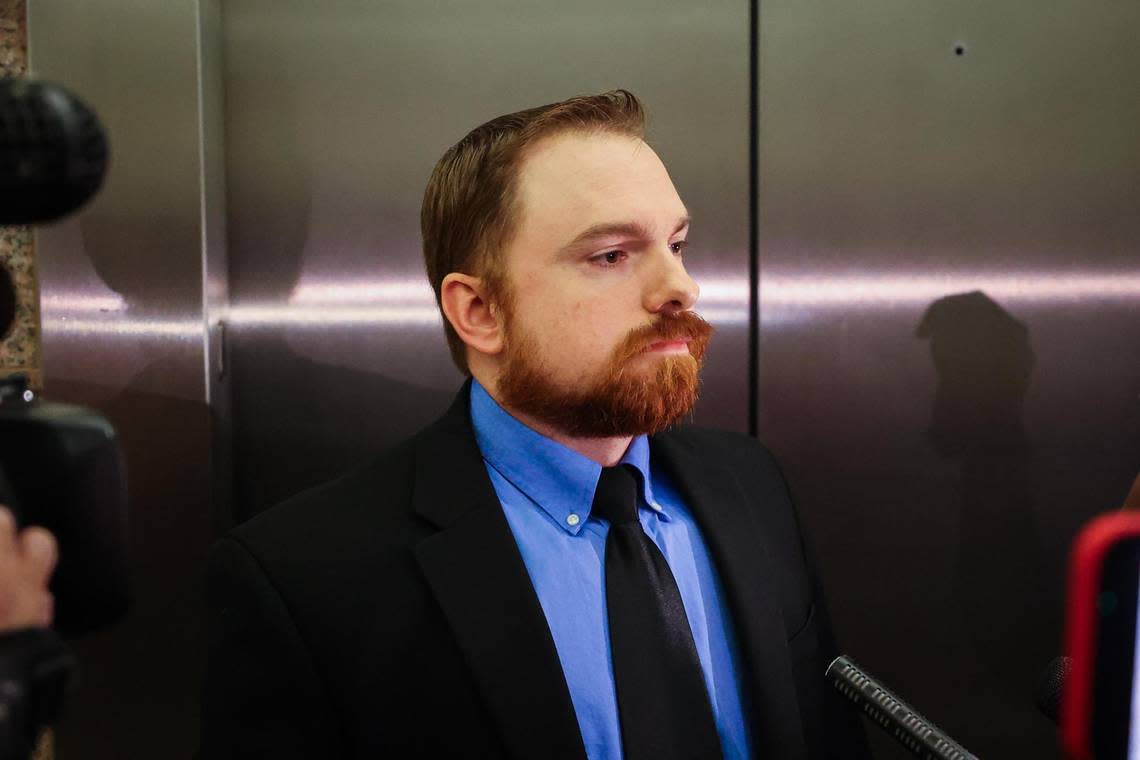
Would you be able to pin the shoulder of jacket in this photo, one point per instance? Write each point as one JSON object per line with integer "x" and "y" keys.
{"x": 728, "y": 441}
{"x": 378, "y": 490}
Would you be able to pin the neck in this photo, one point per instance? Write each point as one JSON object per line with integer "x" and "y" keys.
{"x": 605, "y": 451}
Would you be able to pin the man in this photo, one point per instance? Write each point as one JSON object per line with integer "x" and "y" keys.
{"x": 546, "y": 571}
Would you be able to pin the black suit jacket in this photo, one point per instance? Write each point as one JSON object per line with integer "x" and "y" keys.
{"x": 389, "y": 613}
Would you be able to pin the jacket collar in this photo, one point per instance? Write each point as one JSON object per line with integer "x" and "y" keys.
{"x": 724, "y": 514}
{"x": 474, "y": 569}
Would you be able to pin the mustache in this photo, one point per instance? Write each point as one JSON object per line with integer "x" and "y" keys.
{"x": 684, "y": 325}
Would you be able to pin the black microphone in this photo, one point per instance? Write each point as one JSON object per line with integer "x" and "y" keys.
{"x": 899, "y": 719}
{"x": 53, "y": 152}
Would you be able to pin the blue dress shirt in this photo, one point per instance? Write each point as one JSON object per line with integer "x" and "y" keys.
{"x": 546, "y": 491}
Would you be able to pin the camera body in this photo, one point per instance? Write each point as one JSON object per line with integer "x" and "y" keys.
{"x": 60, "y": 468}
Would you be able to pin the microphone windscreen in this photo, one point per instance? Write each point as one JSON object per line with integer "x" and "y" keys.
{"x": 53, "y": 152}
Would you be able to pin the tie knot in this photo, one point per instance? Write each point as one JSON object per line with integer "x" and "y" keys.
{"x": 615, "y": 498}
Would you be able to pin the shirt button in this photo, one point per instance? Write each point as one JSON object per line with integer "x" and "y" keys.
{"x": 573, "y": 520}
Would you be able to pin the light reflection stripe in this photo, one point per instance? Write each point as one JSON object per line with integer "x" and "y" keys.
{"x": 418, "y": 291}
{"x": 326, "y": 314}
{"x": 723, "y": 301}
{"x": 414, "y": 290}
{"x": 65, "y": 301}
{"x": 867, "y": 290}
{"x": 120, "y": 327}
{"x": 779, "y": 290}
{"x": 286, "y": 316}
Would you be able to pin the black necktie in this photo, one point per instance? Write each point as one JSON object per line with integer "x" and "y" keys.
{"x": 663, "y": 705}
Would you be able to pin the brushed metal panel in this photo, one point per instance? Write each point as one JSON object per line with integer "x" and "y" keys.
{"x": 335, "y": 116}
{"x": 950, "y": 343}
{"x": 123, "y": 331}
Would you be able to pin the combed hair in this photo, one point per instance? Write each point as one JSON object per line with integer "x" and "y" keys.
{"x": 470, "y": 208}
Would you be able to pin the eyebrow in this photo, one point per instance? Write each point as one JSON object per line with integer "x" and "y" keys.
{"x": 630, "y": 229}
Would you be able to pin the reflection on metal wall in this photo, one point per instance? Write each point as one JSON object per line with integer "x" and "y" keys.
{"x": 124, "y": 332}
{"x": 950, "y": 288}
{"x": 950, "y": 320}
{"x": 334, "y": 119}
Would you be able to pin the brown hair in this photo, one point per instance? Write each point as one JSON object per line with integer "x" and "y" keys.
{"x": 470, "y": 206}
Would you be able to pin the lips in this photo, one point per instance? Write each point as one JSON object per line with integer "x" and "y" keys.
{"x": 676, "y": 344}
{"x": 681, "y": 334}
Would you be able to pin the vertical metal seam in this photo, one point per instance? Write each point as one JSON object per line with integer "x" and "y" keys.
{"x": 202, "y": 202}
{"x": 753, "y": 220}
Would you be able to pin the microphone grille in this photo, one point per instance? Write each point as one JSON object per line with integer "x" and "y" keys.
{"x": 1050, "y": 685}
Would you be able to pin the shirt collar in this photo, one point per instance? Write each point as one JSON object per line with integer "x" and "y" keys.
{"x": 559, "y": 480}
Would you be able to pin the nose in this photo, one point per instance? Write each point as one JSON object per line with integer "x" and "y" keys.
{"x": 670, "y": 289}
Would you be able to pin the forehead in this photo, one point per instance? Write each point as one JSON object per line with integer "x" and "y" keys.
{"x": 571, "y": 181}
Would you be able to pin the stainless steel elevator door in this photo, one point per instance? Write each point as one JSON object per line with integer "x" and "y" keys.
{"x": 336, "y": 113}
{"x": 950, "y": 326}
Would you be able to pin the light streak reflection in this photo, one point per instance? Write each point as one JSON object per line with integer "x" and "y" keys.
{"x": 864, "y": 290}
{"x": 120, "y": 327}
{"x": 410, "y": 303}
{"x": 80, "y": 302}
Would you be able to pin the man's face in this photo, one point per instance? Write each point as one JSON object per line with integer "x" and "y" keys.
{"x": 599, "y": 337}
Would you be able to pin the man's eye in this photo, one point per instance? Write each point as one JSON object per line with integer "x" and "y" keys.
{"x": 610, "y": 257}
{"x": 679, "y": 246}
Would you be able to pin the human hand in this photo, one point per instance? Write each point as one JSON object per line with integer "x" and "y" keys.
{"x": 27, "y": 559}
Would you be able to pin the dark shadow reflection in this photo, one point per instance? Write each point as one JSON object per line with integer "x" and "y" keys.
{"x": 984, "y": 362}
{"x": 299, "y": 422}
{"x": 139, "y": 678}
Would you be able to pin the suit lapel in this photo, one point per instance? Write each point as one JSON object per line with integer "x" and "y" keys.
{"x": 474, "y": 569}
{"x": 737, "y": 545}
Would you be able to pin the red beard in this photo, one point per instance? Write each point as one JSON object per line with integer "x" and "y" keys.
{"x": 620, "y": 402}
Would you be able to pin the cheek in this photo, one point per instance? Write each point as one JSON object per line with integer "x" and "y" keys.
{"x": 576, "y": 330}
{"x": 577, "y": 340}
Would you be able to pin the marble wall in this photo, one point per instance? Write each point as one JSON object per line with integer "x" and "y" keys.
{"x": 19, "y": 341}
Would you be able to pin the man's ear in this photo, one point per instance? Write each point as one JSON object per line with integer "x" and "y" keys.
{"x": 467, "y": 307}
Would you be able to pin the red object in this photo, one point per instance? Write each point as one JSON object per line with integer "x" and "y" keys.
{"x": 1086, "y": 568}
